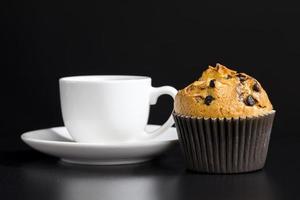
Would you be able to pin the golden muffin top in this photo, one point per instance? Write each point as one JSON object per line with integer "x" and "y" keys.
{"x": 223, "y": 93}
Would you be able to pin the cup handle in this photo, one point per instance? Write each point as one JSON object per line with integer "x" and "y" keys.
{"x": 155, "y": 93}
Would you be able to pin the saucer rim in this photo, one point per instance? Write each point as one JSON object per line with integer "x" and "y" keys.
{"x": 25, "y": 138}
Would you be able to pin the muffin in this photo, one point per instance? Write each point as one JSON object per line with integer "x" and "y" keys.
{"x": 224, "y": 122}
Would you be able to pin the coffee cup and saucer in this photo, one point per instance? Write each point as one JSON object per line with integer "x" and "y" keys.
{"x": 105, "y": 120}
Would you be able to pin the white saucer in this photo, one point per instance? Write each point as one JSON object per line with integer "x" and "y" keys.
{"x": 57, "y": 142}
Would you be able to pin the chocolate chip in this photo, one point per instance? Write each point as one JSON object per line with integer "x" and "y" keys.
{"x": 256, "y": 87}
{"x": 212, "y": 83}
{"x": 208, "y": 99}
{"x": 229, "y": 77}
{"x": 242, "y": 77}
{"x": 250, "y": 101}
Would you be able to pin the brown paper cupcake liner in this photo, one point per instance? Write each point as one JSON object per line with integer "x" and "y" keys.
{"x": 224, "y": 145}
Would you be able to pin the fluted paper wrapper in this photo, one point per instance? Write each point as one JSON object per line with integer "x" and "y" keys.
{"x": 224, "y": 145}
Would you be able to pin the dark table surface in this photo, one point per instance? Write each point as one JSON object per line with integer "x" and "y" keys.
{"x": 27, "y": 174}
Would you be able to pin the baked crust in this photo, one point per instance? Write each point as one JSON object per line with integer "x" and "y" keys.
{"x": 223, "y": 93}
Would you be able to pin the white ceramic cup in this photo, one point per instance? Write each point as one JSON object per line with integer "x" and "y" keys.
{"x": 110, "y": 109}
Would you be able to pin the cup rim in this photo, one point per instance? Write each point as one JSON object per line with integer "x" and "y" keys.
{"x": 103, "y": 78}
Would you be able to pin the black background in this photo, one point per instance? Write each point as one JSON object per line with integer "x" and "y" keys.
{"x": 171, "y": 41}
